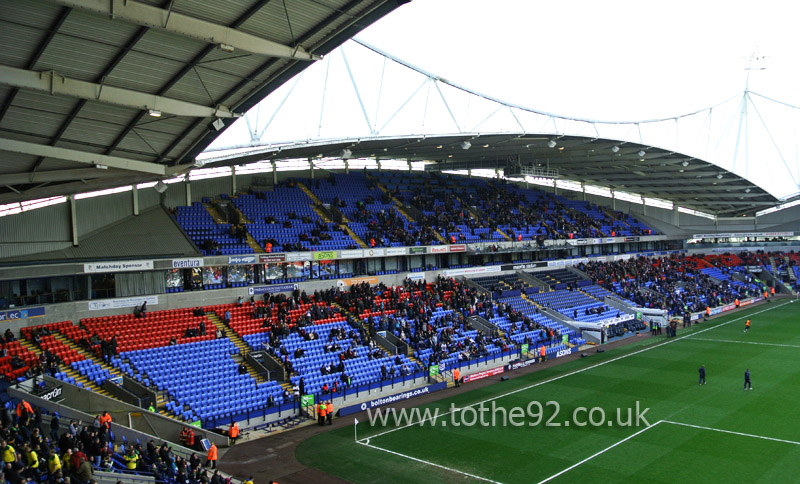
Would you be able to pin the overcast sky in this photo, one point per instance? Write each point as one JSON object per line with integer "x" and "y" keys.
{"x": 608, "y": 61}
{"x": 601, "y": 59}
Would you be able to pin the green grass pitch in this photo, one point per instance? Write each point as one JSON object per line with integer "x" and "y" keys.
{"x": 712, "y": 433}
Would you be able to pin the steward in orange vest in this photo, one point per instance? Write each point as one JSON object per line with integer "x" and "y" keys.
{"x": 233, "y": 432}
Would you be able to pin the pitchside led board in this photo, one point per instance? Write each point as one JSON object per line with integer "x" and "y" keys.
{"x": 524, "y": 348}
{"x": 307, "y": 401}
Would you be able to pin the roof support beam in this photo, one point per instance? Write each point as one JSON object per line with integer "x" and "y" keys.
{"x": 56, "y": 84}
{"x": 25, "y": 147}
{"x": 191, "y": 27}
{"x": 57, "y": 176}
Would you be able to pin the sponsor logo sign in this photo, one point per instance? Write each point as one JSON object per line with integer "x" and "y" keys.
{"x": 358, "y": 280}
{"x": 458, "y": 248}
{"x": 16, "y": 314}
{"x": 521, "y": 364}
{"x": 375, "y": 252}
{"x": 275, "y": 288}
{"x": 241, "y": 259}
{"x": 271, "y": 258}
{"x": 417, "y": 250}
{"x": 417, "y": 276}
{"x": 398, "y": 397}
{"x": 126, "y": 302}
{"x": 53, "y": 394}
{"x": 186, "y": 263}
{"x": 131, "y": 265}
{"x": 484, "y": 374}
{"x": 395, "y": 251}
{"x": 326, "y": 254}
{"x": 438, "y": 249}
{"x": 298, "y": 256}
{"x": 351, "y": 254}
{"x": 472, "y": 270}
{"x": 631, "y": 239}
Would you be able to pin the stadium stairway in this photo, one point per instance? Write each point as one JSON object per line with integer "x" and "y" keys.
{"x": 399, "y": 206}
{"x": 89, "y": 356}
{"x": 316, "y": 201}
{"x": 239, "y": 343}
{"x": 212, "y": 210}
{"x": 65, "y": 368}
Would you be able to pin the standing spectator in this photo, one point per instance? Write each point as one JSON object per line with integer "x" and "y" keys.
{"x": 212, "y": 456}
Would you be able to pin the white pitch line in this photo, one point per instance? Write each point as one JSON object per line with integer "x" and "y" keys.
{"x": 581, "y": 370}
{"x": 732, "y": 432}
{"x": 601, "y": 452}
{"x": 430, "y": 463}
{"x": 746, "y": 342}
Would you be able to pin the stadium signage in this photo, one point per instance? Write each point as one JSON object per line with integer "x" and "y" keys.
{"x": 521, "y": 364}
{"x": 631, "y": 239}
{"x": 398, "y": 397}
{"x": 133, "y": 265}
{"x": 418, "y": 276}
{"x": 326, "y": 255}
{"x": 727, "y": 235}
{"x": 53, "y": 394}
{"x": 271, "y": 258}
{"x": 241, "y": 259}
{"x": 529, "y": 265}
{"x": 458, "y": 248}
{"x": 374, "y": 253}
{"x": 438, "y": 249}
{"x": 395, "y": 251}
{"x": 275, "y": 288}
{"x": 484, "y": 374}
{"x": 186, "y": 263}
{"x": 15, "y": 314}
{"x": 417, "y": 250}
{"x": 561, "y": 353}
{"x": 472, "y": 270}
{"x": 351, "y": 254}
{"x": 298, "y": 256}
{"x": 127, "y": 302}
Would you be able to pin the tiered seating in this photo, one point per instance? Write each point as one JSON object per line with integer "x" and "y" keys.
{"x": 559, "y": 278}
{"x": 372, "y": 216}
{"x": 154, "y": 330}
{"x": 574, "y": 304}
{"x": 202, "y": 380}
{"x": 200, "y": 227}
{"x": 15, "y": 349}
{"x": 62, "y": 351}
{"x": 92, "y": 371}
{"x": 243, "y": 322}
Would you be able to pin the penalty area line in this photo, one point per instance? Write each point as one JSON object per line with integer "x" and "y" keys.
{"x": 745, "y": 342}
{"x": 762, "y": 437}
{"x": 422, "y": 461}
{"x": 601, "y": 452}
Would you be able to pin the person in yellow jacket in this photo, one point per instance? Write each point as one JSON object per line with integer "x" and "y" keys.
{"x": 53, "y": 462}
{"x": 8, "y": 452}
{"x": 329, "y": 412}
{"x": 233, "y": 432}
{"x": 212, "y": 456}
{"x": 321, "y": 412}
{"x": 131, "y": 459}
{"x": 31, "y": 462}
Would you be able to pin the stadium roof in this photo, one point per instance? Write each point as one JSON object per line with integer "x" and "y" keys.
{"x": 651, "y": 172}
{"x": 97, "y": 94}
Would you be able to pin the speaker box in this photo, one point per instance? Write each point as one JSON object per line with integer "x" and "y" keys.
{"x": 503, "y": 378}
